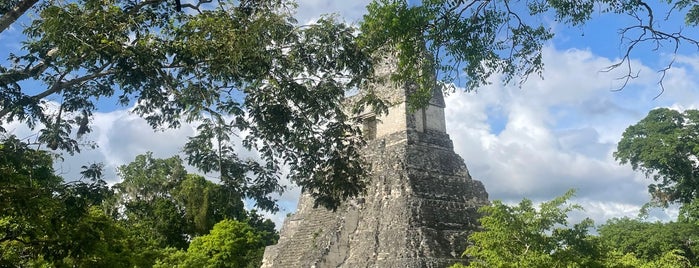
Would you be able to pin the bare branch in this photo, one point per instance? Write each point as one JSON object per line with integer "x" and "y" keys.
{"x": 197, "y": 6}
{"x": 645, "y": 32}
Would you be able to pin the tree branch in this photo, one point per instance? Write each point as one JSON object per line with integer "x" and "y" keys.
{"x": 14, "y": 76}
{"x": 646, "y": 32}
{"x": 58, "y": 86}
{"x": 11, "y": 16}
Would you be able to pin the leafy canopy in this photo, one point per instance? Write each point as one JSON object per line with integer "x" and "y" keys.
{"x": 158, "y": 208}
{"x": 524, "y": 236}
{"x": 230, "y": 244}
{"x": 232, "y": 67}
{"x": 45, "y": 220}
{"x": 159, "y": 198}
{"x": 470, "y": 41}
{"x": 665, "y": 147}
{"x": 249, "y": 76}
{"x": 649, "y": 241}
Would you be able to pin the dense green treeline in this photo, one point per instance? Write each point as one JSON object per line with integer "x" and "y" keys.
{"x": 161, "y": 216}
{"x": 158, "y": 213}
{"x": 523, "y": 235}
{"x": 664, "y": 146}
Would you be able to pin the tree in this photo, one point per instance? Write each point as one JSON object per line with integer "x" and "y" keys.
{"x": 206, "y": 203}
{"x": 148, "y": 178}
{"x": 148, "y": 205}
{"x": 665, "y": 147}
{"x": 97, "y": 240}
{"x": 164, "y": 207}
{"x": 44, "y": 220}
{"x": 230, "y": 244}
{"x": 689, "y": 212}
{"x": 650, "y": 241}
{"x": 26, "y": 185}
{"x": 167, "y": 205}
{"x": 239, "y": 67}
{"x": 47, "y": 222}
{"x": 234, "y": 67}
{"x": 670, "y": 259}
{"x": 470, "y": 40}
{"x": 523, "y": 236}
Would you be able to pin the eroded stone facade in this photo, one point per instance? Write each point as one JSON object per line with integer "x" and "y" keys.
{"x": 418, "y": 210}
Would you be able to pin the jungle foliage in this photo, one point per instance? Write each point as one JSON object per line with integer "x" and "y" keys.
{"x": 250, "y": 76}
{"x": 523, "y": 235}
{"x": 157, "y": 210}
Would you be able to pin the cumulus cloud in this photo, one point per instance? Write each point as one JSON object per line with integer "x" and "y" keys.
{"x": 120, "y": 136}
{"x": 560, "y": 132}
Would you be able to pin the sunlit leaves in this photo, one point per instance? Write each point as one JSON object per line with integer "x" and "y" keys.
{"x": 290, "y": 113}
{"x": 524, "y": 236}
{"x": 235, "y": 68}
{"x": 230, "y": 244}
{"x": 43, "y": 218}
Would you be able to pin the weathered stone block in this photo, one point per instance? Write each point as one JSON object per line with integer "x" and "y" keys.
{"x": 417, "y": 211}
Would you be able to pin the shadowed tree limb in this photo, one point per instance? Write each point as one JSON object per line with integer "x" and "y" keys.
{"x": 11, "y": 16}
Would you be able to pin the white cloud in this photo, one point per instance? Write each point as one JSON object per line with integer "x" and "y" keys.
{"x": 350, "y": 11}
{"x": 559, "y": 132}
{"x": 120, "y": 137}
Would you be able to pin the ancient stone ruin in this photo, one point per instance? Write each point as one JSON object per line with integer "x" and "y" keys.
{"x": 418, "y": 209}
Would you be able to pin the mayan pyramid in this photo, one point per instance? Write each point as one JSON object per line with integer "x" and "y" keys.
{"x": 418, "y": 209}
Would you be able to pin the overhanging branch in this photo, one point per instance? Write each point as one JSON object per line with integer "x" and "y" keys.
{"x": 11, "y": 16}
{"x": 58, "y": 86}
{"x": 646, "y": 32}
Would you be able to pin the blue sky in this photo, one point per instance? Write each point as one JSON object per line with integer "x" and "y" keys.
{"x": 533, "y": 141}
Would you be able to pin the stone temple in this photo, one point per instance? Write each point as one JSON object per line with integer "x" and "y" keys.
{"x": 419, "y": 207}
